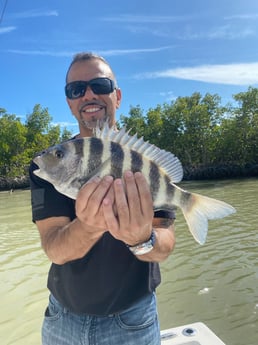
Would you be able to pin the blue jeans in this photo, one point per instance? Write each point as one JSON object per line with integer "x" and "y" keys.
{"x": 136, "y": 325}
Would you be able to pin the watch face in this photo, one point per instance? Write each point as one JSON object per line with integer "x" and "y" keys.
{"x": 142, "y": 249}
{"x": 145, "y": 247}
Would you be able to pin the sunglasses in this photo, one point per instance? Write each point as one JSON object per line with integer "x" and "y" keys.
{"x": 100, "y": 86}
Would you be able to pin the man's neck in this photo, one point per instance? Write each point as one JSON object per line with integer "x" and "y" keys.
{"x": 85, "y": 132}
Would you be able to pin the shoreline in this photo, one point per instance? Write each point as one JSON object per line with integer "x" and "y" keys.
{"x": 12, "y": 183}
{"x": 190, "y": 173}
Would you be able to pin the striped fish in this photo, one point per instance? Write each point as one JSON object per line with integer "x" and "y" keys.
{"x": 68, "y": 166}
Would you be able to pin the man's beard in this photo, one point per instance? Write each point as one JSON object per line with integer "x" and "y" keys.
{"x": 94, "y": 122}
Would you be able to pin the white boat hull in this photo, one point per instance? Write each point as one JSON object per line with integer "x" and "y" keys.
{"x": 193, "y": 334}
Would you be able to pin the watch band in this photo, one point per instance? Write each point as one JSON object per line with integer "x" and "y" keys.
{"x": 145, "y": 247}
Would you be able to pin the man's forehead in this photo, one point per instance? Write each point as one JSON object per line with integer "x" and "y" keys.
{"x": 89, "y": 68}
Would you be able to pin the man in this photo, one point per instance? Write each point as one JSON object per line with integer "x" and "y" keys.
{"x": 105, "y": 247}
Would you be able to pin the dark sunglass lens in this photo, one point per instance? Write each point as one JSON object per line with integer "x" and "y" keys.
{"x": 75, "y": 90}
{"x": 102, "y": 86}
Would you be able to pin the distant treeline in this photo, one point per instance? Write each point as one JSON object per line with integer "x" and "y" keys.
{"x": 210, "y": 139}
{"x": 199, "y": 130}
{"x": 20, "y": 141}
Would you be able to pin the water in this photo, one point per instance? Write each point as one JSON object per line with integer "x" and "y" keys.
{"x": 216, "y": 283}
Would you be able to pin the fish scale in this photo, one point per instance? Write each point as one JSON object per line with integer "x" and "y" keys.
{"x": 110, "y": 152}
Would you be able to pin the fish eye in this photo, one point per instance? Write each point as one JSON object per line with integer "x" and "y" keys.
{"x": 59, "y": 154}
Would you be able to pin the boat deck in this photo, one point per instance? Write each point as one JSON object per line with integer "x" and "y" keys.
{"x": 193, "y": 334}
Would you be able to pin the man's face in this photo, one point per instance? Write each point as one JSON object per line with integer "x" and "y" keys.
{"x": 91, "y": 108}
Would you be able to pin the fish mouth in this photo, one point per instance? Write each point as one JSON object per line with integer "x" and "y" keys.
{"x": 40, "y": 165}
{"x": 36, "y": 160}
{"x": 36, "y": 172}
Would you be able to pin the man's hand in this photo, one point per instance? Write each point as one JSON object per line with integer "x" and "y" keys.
{"x": 134, "y": 207}
{"x": 89, "y": 210}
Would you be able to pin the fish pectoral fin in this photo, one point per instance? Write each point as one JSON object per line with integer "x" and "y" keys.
{"x": 202, "y": 209}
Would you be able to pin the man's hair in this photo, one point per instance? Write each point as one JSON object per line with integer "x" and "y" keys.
{"x": 86, "y": 56}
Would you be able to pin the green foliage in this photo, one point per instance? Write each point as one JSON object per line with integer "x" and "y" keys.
{"x": 246, "y": 129}
{"x": 136, "y": 120}
{"x": 200, "y": 131}
{"x": 12, "y": 142}
{"x": 19, "y": 142}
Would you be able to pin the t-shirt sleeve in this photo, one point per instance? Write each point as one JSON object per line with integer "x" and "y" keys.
{"x": 46, "y": 201}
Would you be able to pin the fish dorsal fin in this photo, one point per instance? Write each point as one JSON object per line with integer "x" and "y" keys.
{"x": 166, "y": 161}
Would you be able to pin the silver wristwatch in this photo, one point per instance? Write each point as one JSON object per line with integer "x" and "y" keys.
{"x": 145, "y": 247}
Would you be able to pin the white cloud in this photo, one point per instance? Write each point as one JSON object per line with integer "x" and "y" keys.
{"x": 114, "y": 52}
{"x": 168, "y": 95}
{"x": 159, "y": 31}
{"x": 233, "y": 74}
{"x": 41, "y": 52}
{"x": 65, "y": 124}
{"x": 242, "y": 16}
{"x": 128, "y": 18}
{"x": 7, "y": 29}
{"x": 35, "y": 13}
{"x": 228, "y": 32}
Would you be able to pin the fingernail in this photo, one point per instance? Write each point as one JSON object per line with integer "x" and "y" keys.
{"x": 95, "y": 179}
{"x": 118, "y": 181}
{"x": 128, "y": 173}
{"x": 108, "y": 178}
{"x": 138, "y": 173}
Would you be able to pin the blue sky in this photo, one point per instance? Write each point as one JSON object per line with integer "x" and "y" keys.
{"x": 159, "y": 50}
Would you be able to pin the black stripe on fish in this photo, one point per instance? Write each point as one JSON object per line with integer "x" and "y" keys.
{"x": 154, "y": 179}
{"x": 78, "y": 144}
{"x": 136, "y": 161}
{"x": 170, "y": 190}
{"x": 77, "y": 182}
{"x": 117, "y": 160}
{"x": 95, "y": 154}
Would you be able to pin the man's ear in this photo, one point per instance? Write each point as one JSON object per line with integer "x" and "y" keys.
{"x": 118, "y": 98}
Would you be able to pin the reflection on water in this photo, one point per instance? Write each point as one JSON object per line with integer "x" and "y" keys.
{"x": 216, "y": 283}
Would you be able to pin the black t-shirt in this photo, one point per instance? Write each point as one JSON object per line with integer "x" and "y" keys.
{"x": 109, "y": 278}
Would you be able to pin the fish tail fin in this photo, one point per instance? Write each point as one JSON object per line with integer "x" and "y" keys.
{"x": 199, "y": 209}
